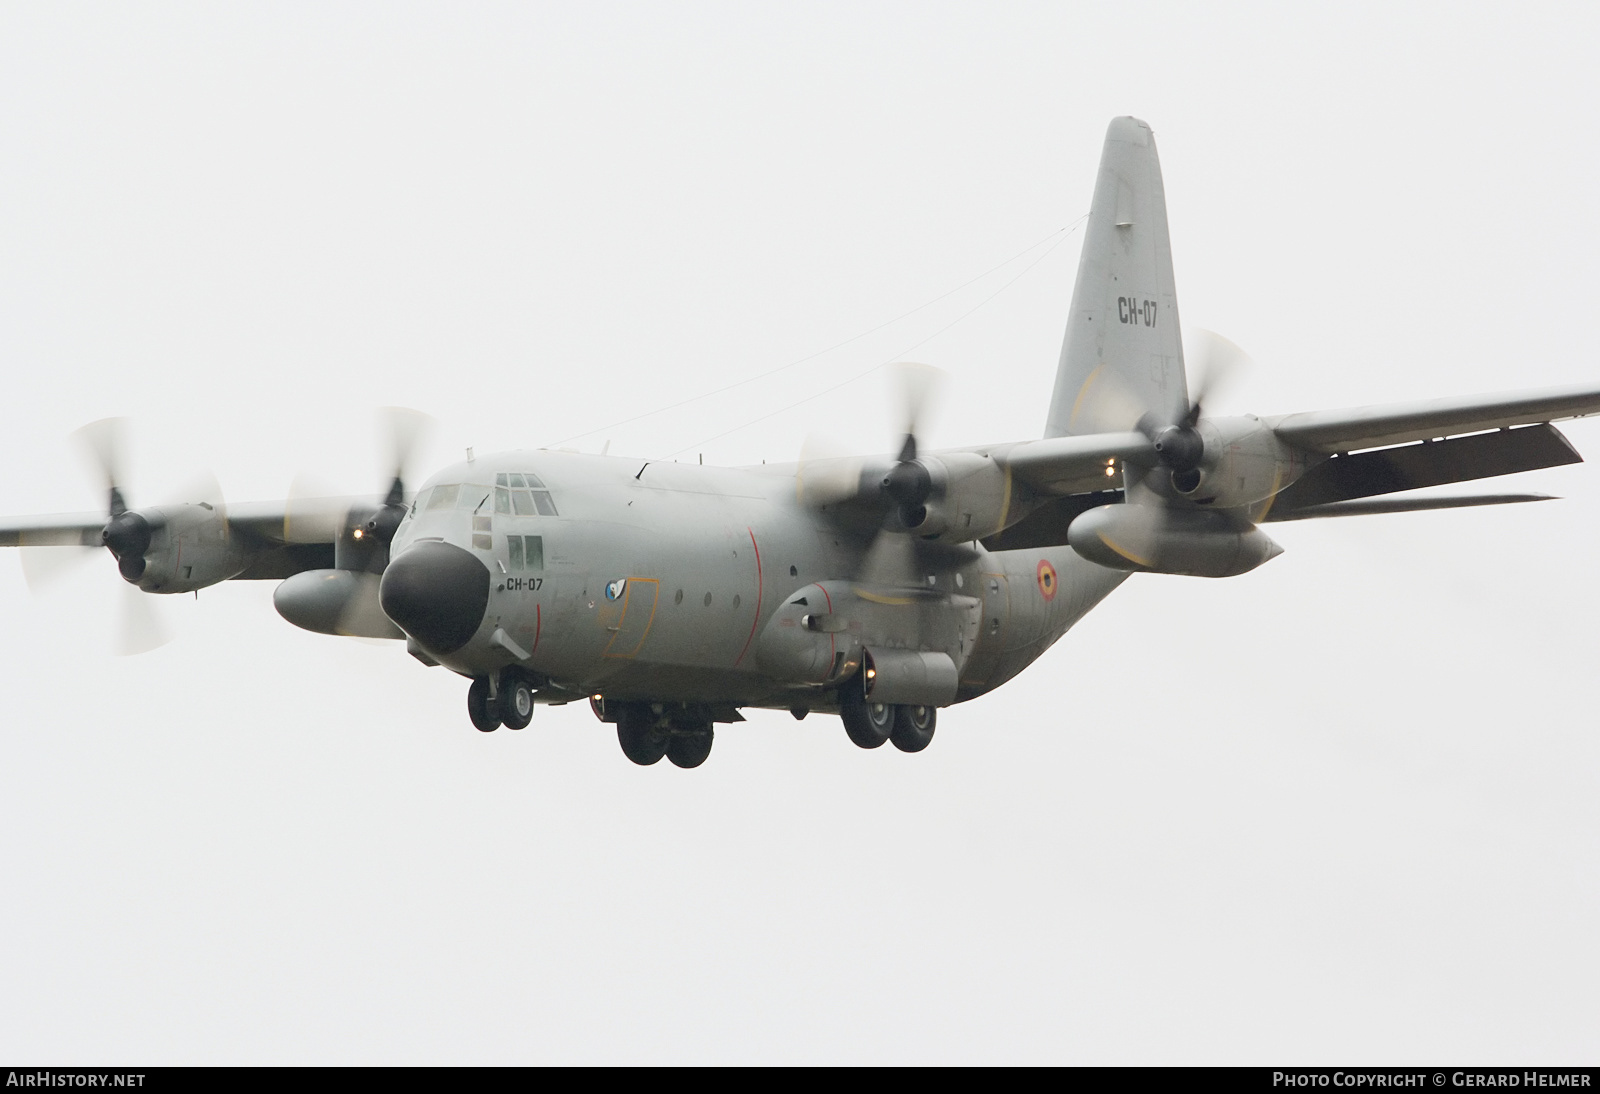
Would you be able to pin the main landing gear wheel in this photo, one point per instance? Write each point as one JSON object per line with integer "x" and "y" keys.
{"x": 913, "y": 727}
{"x": 515, "y": 704}
{"x": 643, "y": 741}
{"x": 480, "y": 709}
{"x": 690, "y": 747}
{"x": 866, "y": 724}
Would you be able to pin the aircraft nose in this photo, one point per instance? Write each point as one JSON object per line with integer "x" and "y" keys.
{"x": 437, "y": 593}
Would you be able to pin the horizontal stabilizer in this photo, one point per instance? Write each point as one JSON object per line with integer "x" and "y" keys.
{"x": 1330, "y": 431}
{"x": 1367, "y": 507}
{"x": 1430, "y": 463}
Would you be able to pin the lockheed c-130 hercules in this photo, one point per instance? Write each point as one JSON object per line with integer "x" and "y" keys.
{"x": 671, "y": 596}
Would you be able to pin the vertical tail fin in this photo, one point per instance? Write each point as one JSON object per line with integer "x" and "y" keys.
{"x": 1122, "y": 356}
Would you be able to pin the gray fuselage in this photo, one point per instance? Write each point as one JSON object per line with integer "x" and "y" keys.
{"x": 655, "y": 580}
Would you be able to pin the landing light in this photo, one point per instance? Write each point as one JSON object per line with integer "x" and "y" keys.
{"x": 359, "y": 533}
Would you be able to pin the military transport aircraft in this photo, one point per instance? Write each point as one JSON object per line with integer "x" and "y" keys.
{"x": 670, "y": 596}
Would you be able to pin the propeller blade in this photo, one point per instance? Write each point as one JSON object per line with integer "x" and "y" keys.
{"x": 102, "y": 442}
{"x": 202, "y": 489}
{"x": 139, "y": 626}
{"x": 826, "y": 475}
{"x": 404, "y": 430}
{"x": 1107, "y": 404}
{"x": 890, "y": 563}
{"x": 43, "y": 567}
{"x": 313, "y": 513}
{"x": 1214, "y": 364}
{"x": 918, "y": 384}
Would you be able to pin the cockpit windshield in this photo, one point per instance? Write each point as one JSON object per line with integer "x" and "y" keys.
{"x": 523, "y": 495}
{"x": 452, "y": 496}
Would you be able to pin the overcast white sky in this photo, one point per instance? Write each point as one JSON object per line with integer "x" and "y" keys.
{"x": 1345, "y": 808}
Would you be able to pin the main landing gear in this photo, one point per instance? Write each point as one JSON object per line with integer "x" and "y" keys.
{"x": 868, "y": 725}
{"x": 508, "y": 702}
{"x": 647, "y": 734}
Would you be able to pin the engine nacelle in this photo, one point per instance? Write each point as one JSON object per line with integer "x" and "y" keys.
{"x": 1244, "y": 463}
{"x": 189, "y": 548}
{"x": 1169, "y": 541}
{"x": 970, "y": 499}
{"x": 341, "y": 602}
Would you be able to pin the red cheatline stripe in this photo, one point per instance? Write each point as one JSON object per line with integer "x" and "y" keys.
{"x": 757, "y": 619}
{"x": 538, "y": 626}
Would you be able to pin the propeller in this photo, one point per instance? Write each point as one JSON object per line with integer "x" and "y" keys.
{"x": 316, "y": 514}
{"x": 897, "y": 561}
{"x": 1178, "y": 444}
{"x": 908, "y": 483}
{"x": 126, "y": 534}
{"x": 405, "y": 429}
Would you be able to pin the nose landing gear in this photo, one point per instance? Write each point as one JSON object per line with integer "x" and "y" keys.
{"x": 504, "y": 700}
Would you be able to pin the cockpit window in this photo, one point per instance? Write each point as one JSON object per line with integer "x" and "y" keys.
{"x": 443, "y": 497}
{"x": 523, "y": 494}
{"x": 526, "y": 480}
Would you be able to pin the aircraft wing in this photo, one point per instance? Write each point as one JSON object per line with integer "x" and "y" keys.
{"x": 286, "y": 537}
{"x": 1070, "y": 465}
{"x": 316, "y": 520}
{"x": 1331, "y": 431}
{"x": 54, "y": 530}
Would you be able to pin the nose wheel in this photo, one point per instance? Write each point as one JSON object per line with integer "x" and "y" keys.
{"x": 480, "y": 708}
{"x": 511, "y": 704}
{"x": 515, "y": 701}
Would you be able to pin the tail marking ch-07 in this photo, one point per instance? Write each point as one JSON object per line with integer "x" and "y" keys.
{"x": 881, "y": 589}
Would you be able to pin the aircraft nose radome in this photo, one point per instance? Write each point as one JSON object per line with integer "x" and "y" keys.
{"x": 437, "y": 593}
